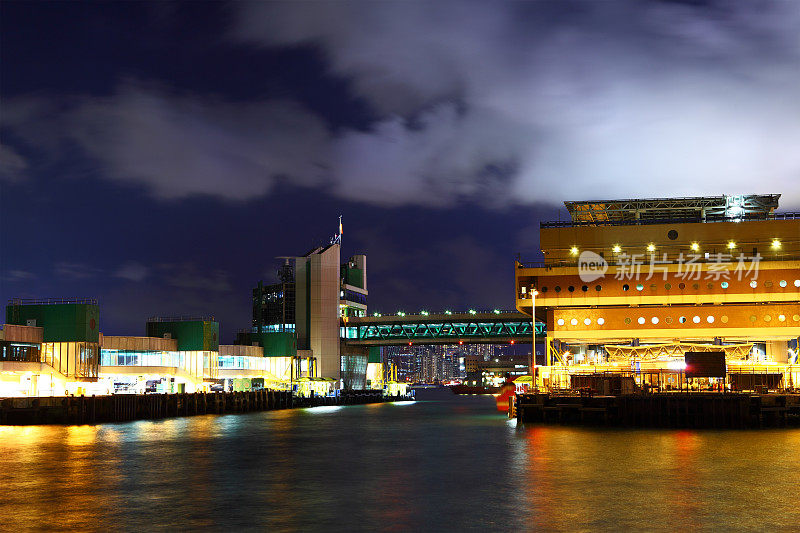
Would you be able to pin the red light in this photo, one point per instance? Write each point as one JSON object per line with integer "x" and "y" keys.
{"x": 512, "y": 341}
{"x": 409, "y": 344}
{"x": 460, "y": 343}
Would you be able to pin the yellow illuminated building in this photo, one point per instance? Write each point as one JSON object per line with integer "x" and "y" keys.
{"x": 631, "y": 285}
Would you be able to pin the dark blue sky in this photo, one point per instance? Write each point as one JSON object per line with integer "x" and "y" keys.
{"x": 158, "y": 156}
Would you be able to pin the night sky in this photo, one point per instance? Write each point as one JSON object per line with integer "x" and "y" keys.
{"x": 159, "y": 156}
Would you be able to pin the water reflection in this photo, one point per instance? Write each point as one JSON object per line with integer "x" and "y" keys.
{"x": 451, "y": 464}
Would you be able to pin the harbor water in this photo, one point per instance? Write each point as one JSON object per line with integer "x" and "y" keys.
{"x": 444, "y": 463}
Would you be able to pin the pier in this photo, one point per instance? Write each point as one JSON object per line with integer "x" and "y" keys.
{"x": 672, "y": 409}
{"x": 127, "y": 407}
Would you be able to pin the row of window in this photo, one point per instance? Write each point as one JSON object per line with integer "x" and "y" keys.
{"x": 669, "y": 320}
{"x": 696, "y": 286}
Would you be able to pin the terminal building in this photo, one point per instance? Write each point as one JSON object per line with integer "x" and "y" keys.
{"x": 630, "y": 286}
{"x": 54, "y": 347}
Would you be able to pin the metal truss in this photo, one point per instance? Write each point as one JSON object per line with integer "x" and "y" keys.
{"x": 653, "y": 352}
{"x": 667, "y": 208}
{"x": 470, "y": 331}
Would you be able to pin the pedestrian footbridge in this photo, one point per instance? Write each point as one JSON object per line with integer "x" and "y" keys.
{"x": 471, "y": 327}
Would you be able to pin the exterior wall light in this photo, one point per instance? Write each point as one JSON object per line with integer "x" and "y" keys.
{"x": 776, "y": 244}
{"x": 651, "y": 247}
{"x": 573, "y": 250}
{"x": 695, "y": 247}
{"x": 731, "y": 245}
{"x": 616, "y": 249}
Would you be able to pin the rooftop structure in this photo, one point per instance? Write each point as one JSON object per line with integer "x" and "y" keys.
{"x": 701, "y": 208}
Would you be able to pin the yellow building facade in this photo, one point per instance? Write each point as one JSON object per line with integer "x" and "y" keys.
{"x": 631, "y": 285}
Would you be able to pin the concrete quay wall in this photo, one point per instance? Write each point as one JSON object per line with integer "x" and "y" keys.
{"x": 679, "y": 409}
{"x": 125, "y": 407}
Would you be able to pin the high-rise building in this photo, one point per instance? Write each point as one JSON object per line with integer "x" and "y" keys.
{"x": 304, "y": 311}
{"x": 274, "y": 304}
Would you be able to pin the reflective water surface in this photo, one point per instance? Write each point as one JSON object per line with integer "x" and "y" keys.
{"x": 447, "y": 464}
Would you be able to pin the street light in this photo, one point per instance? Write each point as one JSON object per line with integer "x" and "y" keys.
{"x": 531, "y": 366}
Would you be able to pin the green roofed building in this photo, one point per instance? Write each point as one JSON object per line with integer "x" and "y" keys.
{"x": 61, "y": 320}
{"x": 199, "y": 334}
{"x": 70, "y": 335}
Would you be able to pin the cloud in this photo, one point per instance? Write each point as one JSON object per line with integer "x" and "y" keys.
{"x": 571, "y": 100}
{"x": 75, "y": 271}
{"x": 498, "y": 104}
{"x": 12, "y": 164}
{"x": 132, "y": 272}
{"x": 179, "y": 145}
{"x": 190, "y": 276}
{"x": 18, "y": 275}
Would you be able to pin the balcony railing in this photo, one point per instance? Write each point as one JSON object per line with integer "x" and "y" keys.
{"x": 182, "y": 318}
{"x": 644, "y": 260}
{"x": 672, "y": 220}
{"x": 51, "y": 301}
